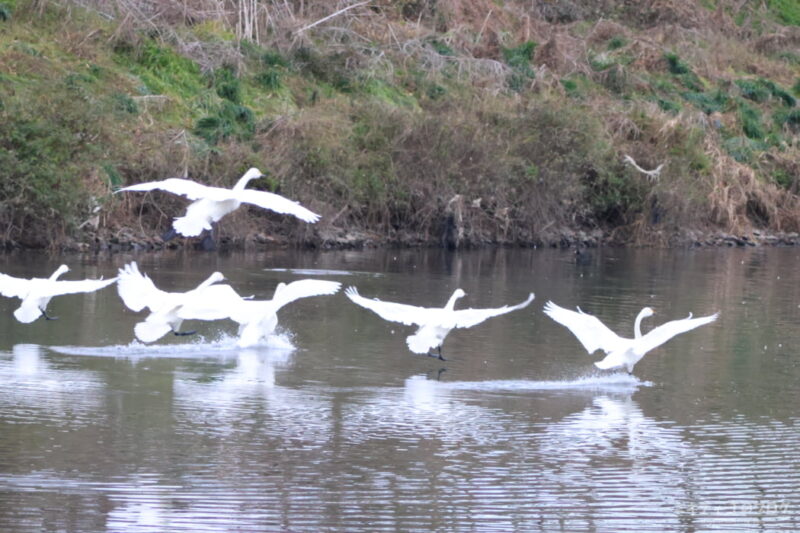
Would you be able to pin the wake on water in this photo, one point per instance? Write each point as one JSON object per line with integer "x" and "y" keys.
{"x": 617, "y": 382}
{"x": 223, "y": 346}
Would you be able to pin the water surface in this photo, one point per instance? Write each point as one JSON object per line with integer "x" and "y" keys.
{"x": 334, "y": 425}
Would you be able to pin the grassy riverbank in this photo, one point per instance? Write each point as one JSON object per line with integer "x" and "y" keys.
{"x": 415, "y": 122}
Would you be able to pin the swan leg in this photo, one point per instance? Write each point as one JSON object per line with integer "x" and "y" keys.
{"x": 46, "y": 316}
{"x": 183, "y": 333}
{"x": 437, "y": 353}
{"x": 169, "y": 235}
{"x": 209, "y": 242}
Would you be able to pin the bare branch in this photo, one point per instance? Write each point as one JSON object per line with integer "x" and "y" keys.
{"x": 320, "y": 21}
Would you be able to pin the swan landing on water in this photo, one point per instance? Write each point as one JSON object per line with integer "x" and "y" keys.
{"x": 212, "y": 203}
{"x": 257, "y": 319}
{"x": 36, "y": 293}
{"x": 434, "y": 323}
{"x": 168, "y": 310}
{"x": 621, "y": 352}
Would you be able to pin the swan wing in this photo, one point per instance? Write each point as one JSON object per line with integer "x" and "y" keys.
{"x": 183, "y": 187}
{"x": 277, "y": 203}
{"x": 666, "y": 331}
{"x": 137, "y": 290}
{"x": 303, "y": 288}
{"x": 12, "y": 287}
{"x": 466, "y": 318}
{"x": 394, "y": 312}
{"x": 73, "y": 287}
{"x": 593, "y": 334}
{"x": 214, "y": 302}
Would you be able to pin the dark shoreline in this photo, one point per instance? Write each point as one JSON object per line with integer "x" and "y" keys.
{"x": 355, "y": 240}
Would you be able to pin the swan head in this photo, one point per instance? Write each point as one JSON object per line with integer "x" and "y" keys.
{"x": 459, "y": 293}
{"x": 646, "y": 312}
{"x": 216, "y": 277}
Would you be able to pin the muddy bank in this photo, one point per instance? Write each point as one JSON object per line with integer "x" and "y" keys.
{"x": 338, "y": 238}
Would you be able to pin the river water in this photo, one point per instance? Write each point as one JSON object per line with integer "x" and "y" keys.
{"x": 333, "y": 425}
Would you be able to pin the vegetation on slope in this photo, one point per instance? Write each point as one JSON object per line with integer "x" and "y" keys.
{"x": 412, "y": 121}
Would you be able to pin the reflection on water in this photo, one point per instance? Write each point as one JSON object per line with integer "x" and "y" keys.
{"x": 332, "y": 425}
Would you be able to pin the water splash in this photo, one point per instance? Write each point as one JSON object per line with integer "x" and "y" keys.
{"x": 323, "y": 272}
{"x": 224, "y": 345}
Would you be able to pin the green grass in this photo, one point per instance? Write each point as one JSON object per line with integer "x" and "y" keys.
{"x": 519, "y": 59}
{"x": 788, "y": 11}
{"x": 166, "y": 72}
{"x": 708, "y": 102}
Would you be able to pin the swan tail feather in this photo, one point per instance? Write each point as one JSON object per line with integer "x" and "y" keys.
{"x": 27, "y": 313}
{"x": 151, "y": 331}
{"x": 418, "y": 343}
{"x": 189, "y": 226}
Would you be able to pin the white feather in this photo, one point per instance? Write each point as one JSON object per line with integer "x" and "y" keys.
{"x": 37, "y": 292}
{"x": 435, "y": 323}
{"x": 212, "y": 203}
{"x": 621, "y": 352}
{"x": 168, "y": 310}
{"x": 257, "y": 319}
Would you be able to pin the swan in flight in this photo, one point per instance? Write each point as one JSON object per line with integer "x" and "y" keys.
{"x": 435, "y": 322}
{"x": 210, "y": 204}
{"x": 36, "y": 293}
{"x": 167, "y": 309}
{"x": 652, "y": 174}
{"x": 594, "y": 335}
{"x": 257, "y": 319}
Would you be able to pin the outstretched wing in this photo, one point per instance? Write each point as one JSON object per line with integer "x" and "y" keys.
{"x": 214, "y": 302}
{"x": 593, "y": 334}
{"x": 466, "y": 318}
{"x": 394, "y": 312}
{"x": 137, "y": 290}
{"x": 188, "y": 188}
{"x": 665, "y": 332}
{"x": 12, "y": 287}
{"x": 85, "y": 285}
{"x": 303, "y": 288}
{"x": 277, "y": 203}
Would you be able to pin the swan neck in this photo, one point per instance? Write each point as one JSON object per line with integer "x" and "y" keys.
{"x": 210, "y": 281}
{"x": 244, "y": 180}
{"x": 242, "y": 183}
{"x": 637, "y": 325}
{"x": 58, "y": 272}
{"x": 451, "y": 303}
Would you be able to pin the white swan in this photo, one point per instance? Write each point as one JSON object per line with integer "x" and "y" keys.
{"x": 37, "y": 292}
{"x": 257, "y": 319}
{"x": 212, "y": 203}
{"x": 167, "y": 309}
{"x": 594, "y": 335}
{"x": 652, "y": 174}
{"x": 434, "y": 323}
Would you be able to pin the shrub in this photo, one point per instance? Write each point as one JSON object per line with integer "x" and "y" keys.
{"x": 229, "y": 120}
{"x": 751, "y": 121}
{"x": 519, "y": 59}
{"x": 753, "y": 90}
{"x": 709, "y": 102}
